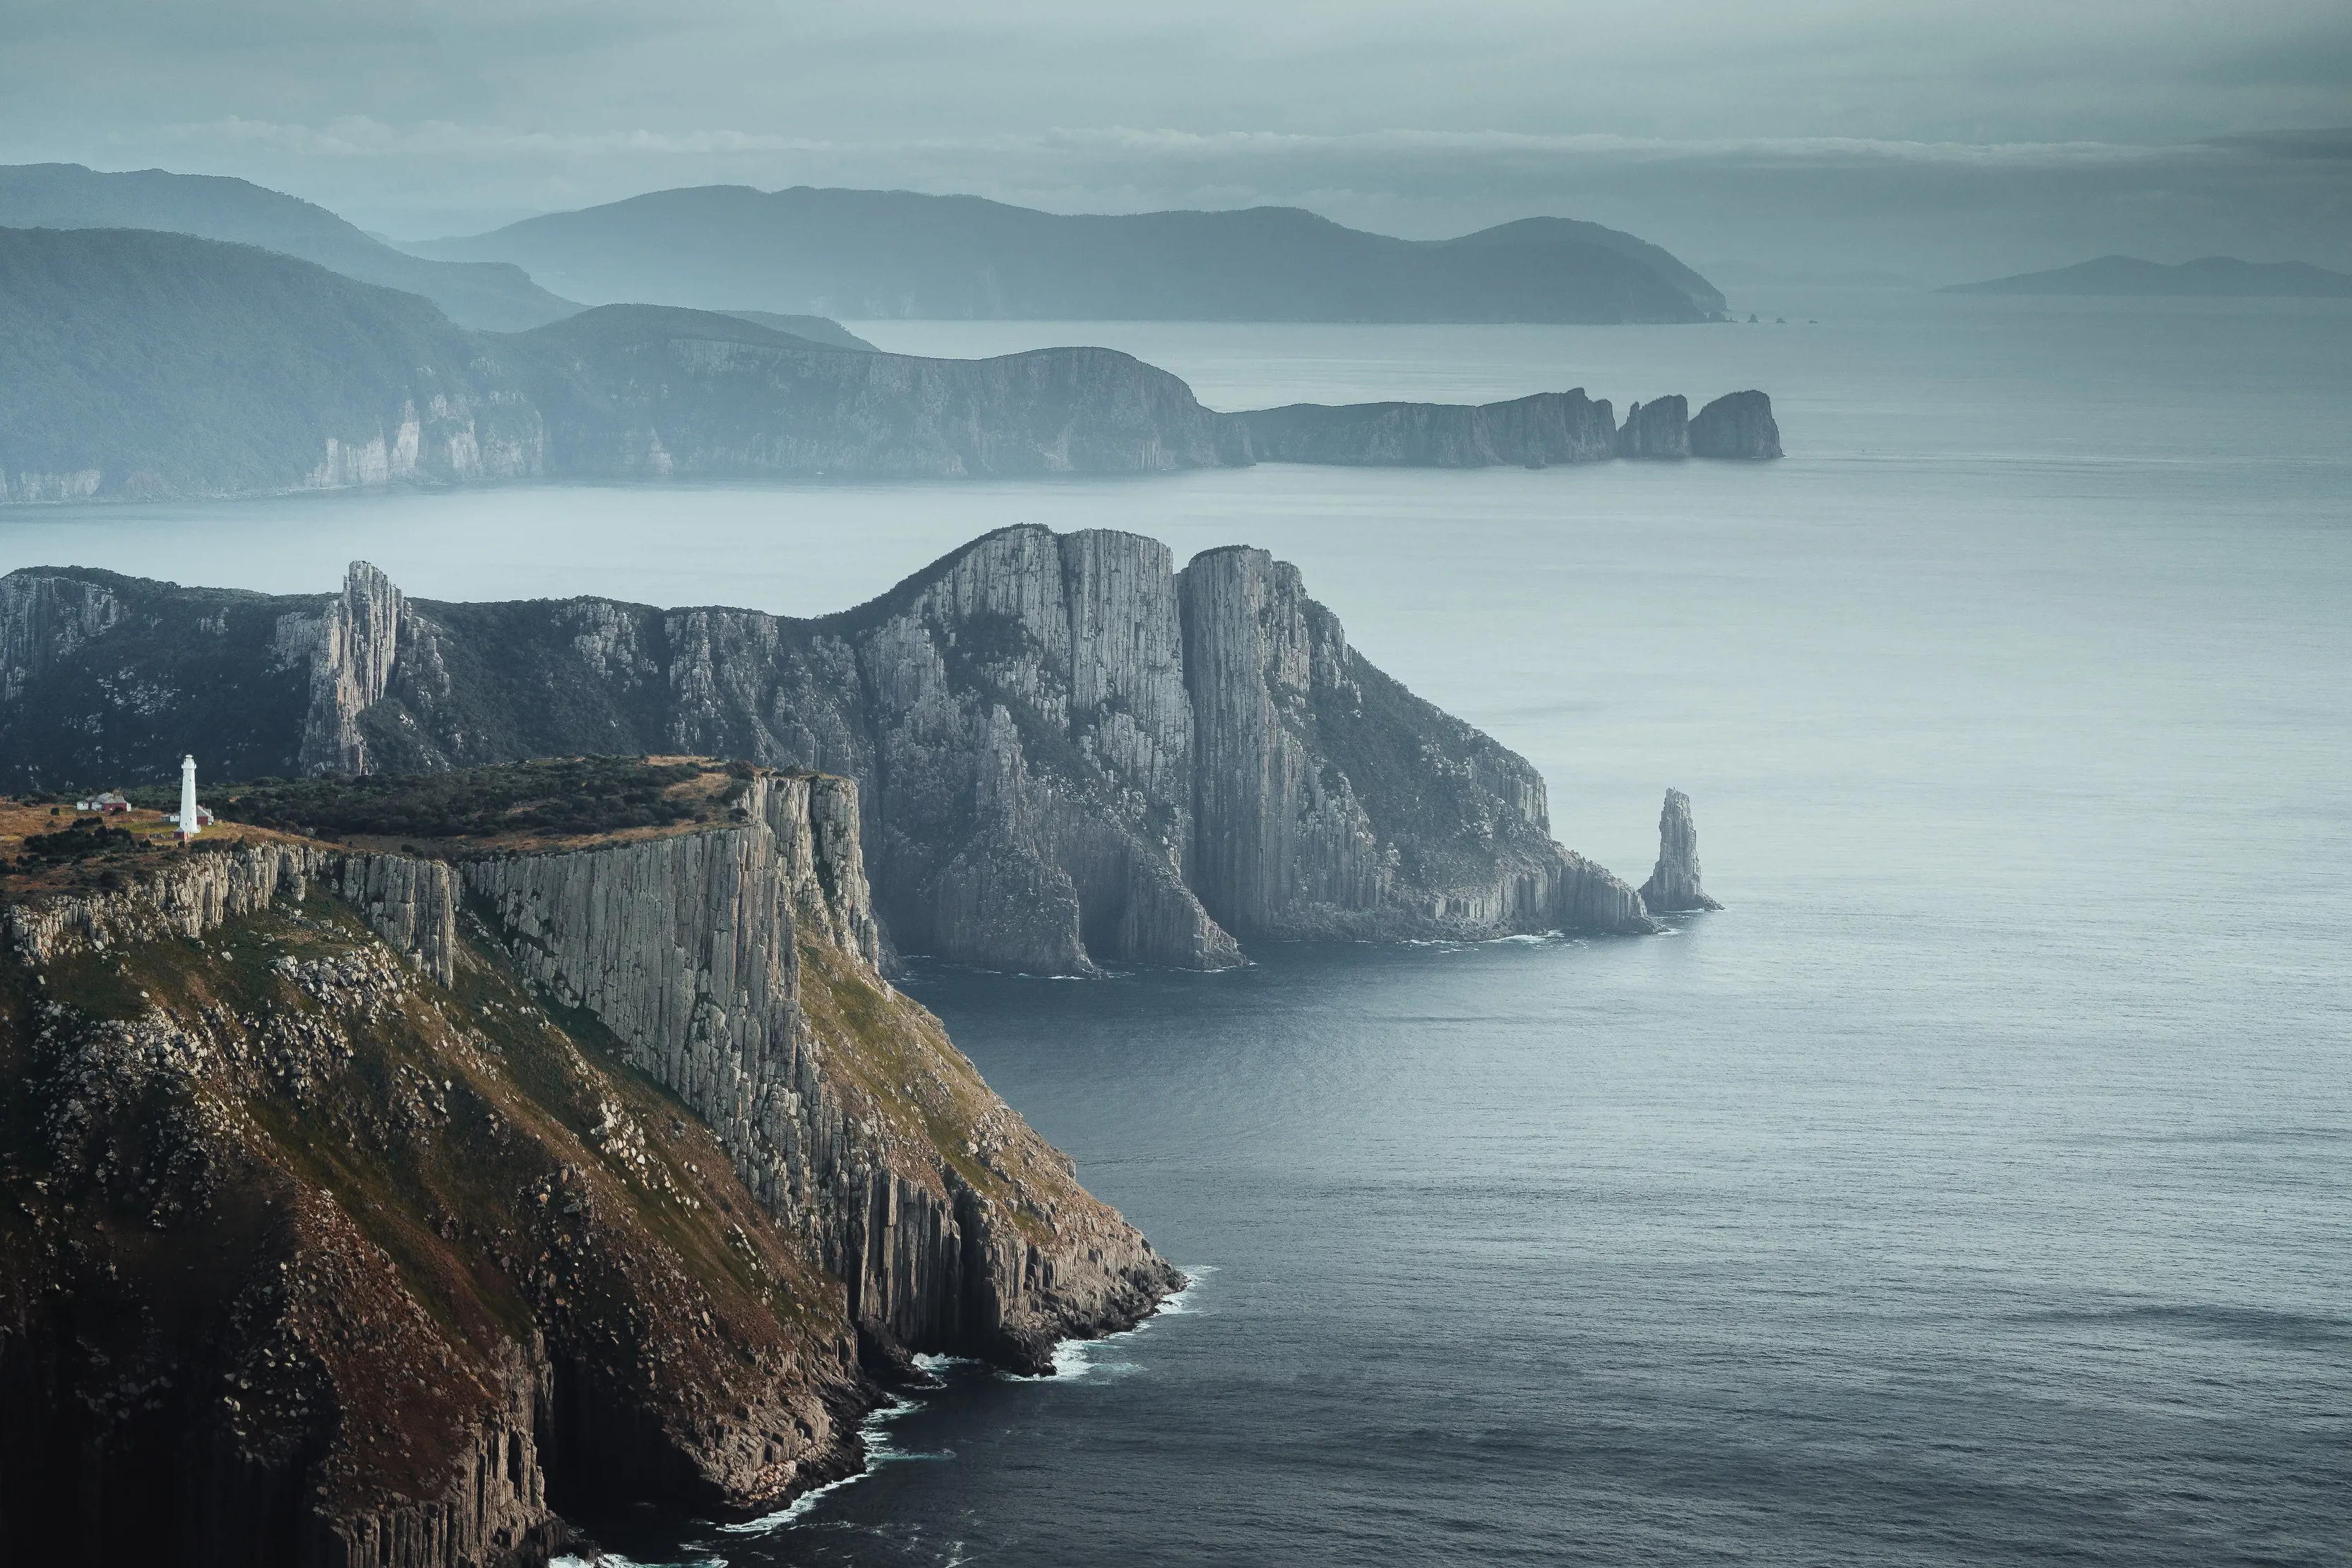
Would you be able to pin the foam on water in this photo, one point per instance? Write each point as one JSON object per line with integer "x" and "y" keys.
{"x": 880, "y": 1452}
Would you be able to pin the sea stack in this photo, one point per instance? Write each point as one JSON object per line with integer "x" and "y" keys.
{"x": 1737, "y": 425}
{"x": 1674, "y": 887}
{"x": 1657, "y": 429}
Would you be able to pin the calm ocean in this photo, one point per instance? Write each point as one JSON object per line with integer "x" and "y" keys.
{"x": 1975, "y": 1190}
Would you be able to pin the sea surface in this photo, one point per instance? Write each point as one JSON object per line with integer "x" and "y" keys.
{"x": 1976, "y": 1188}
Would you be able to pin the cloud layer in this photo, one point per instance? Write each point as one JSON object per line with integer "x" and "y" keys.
{"x": 1949, "y": 137}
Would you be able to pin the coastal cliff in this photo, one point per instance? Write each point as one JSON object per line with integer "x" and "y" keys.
{"x": 148, "y": 365}
{"x": 1535, "y": 432}
{"x": 1334, "y": 803}
{"x": 382, "y": 1208}
{"x": 640, "y": 391}
{"x": 1529, "y": 432}
{"x": 1070, "y": 755}
{"x": 738, "y": 967}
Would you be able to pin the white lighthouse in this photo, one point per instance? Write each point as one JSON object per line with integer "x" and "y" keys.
{"x": 191, "y": 819}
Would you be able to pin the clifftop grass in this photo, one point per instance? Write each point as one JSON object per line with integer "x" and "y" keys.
{"x": 505, "y": 805}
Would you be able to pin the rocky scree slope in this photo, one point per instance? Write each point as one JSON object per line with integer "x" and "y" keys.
{"x": 379, "y": 1208}
{"x": 138, "y": 364}
{"x": 1070, "y": 755}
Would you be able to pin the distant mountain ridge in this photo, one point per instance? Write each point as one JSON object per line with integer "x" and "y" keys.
{"x": 2212, "y": 277}
{"x": 140, "y": 364}
{"x": 884, "y": 254}
{"x": 490, "y": 295}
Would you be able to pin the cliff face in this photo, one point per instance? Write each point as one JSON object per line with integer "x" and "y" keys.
{"x": 1069, "y": 755}
{"x": 1737, "y": 425}
{"x": 1659, "y": 429}
{"x": 738, "y": 969}
{"x": 351, "y": 651}
{"x": 43, "y": 620}
{"x": 1549, "y": 427}
{"x": 1334, "y": 803}
{"x": 344, "y": 1225}
{"x": 639, "y": 392}
{"x": 1535, "y": 432}
{"x": 1034, "y": 749}
{"x": 1673, "y": 885}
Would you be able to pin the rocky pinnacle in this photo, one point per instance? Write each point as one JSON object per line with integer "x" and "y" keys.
{"x": 1674, "y": 887}
{"x": 351, "y": 665}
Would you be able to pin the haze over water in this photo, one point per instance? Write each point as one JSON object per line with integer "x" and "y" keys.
{"x": 1976, "y": 1188}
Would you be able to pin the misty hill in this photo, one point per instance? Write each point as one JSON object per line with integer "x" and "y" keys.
{"x": 136, "y": 363}
{"x": 651, "y": 390}
{"x": 491, "y": 295}
{"x": 2213, "y": 276}
{"x": 841, "y": 252}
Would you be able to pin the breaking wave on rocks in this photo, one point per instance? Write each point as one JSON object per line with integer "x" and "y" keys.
{"x": 1077, "y": 1359}
{"x": 1074, "y": 1360}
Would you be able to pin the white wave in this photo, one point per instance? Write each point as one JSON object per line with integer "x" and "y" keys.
{"x": 1181, "y": 1303}
{"x": 880, "y": 1452}
{"x": 1074, "y": 1359}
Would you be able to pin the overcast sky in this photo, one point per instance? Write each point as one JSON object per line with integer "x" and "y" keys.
{"x": 1936, "y": 136}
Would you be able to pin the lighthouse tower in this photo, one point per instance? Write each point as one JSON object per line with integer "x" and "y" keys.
{"x": 190, "y": 819}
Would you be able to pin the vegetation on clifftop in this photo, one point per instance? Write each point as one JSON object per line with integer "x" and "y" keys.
{"x": 555, "y": 798}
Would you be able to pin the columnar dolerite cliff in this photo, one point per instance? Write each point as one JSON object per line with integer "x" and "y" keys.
{"x": 140, "y": 365}
{"x": 1070, "y": 754}
{"x": 343, "y": 1225}
{"x": 738, "y": 967}
{"x": 1333, "y": 802}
